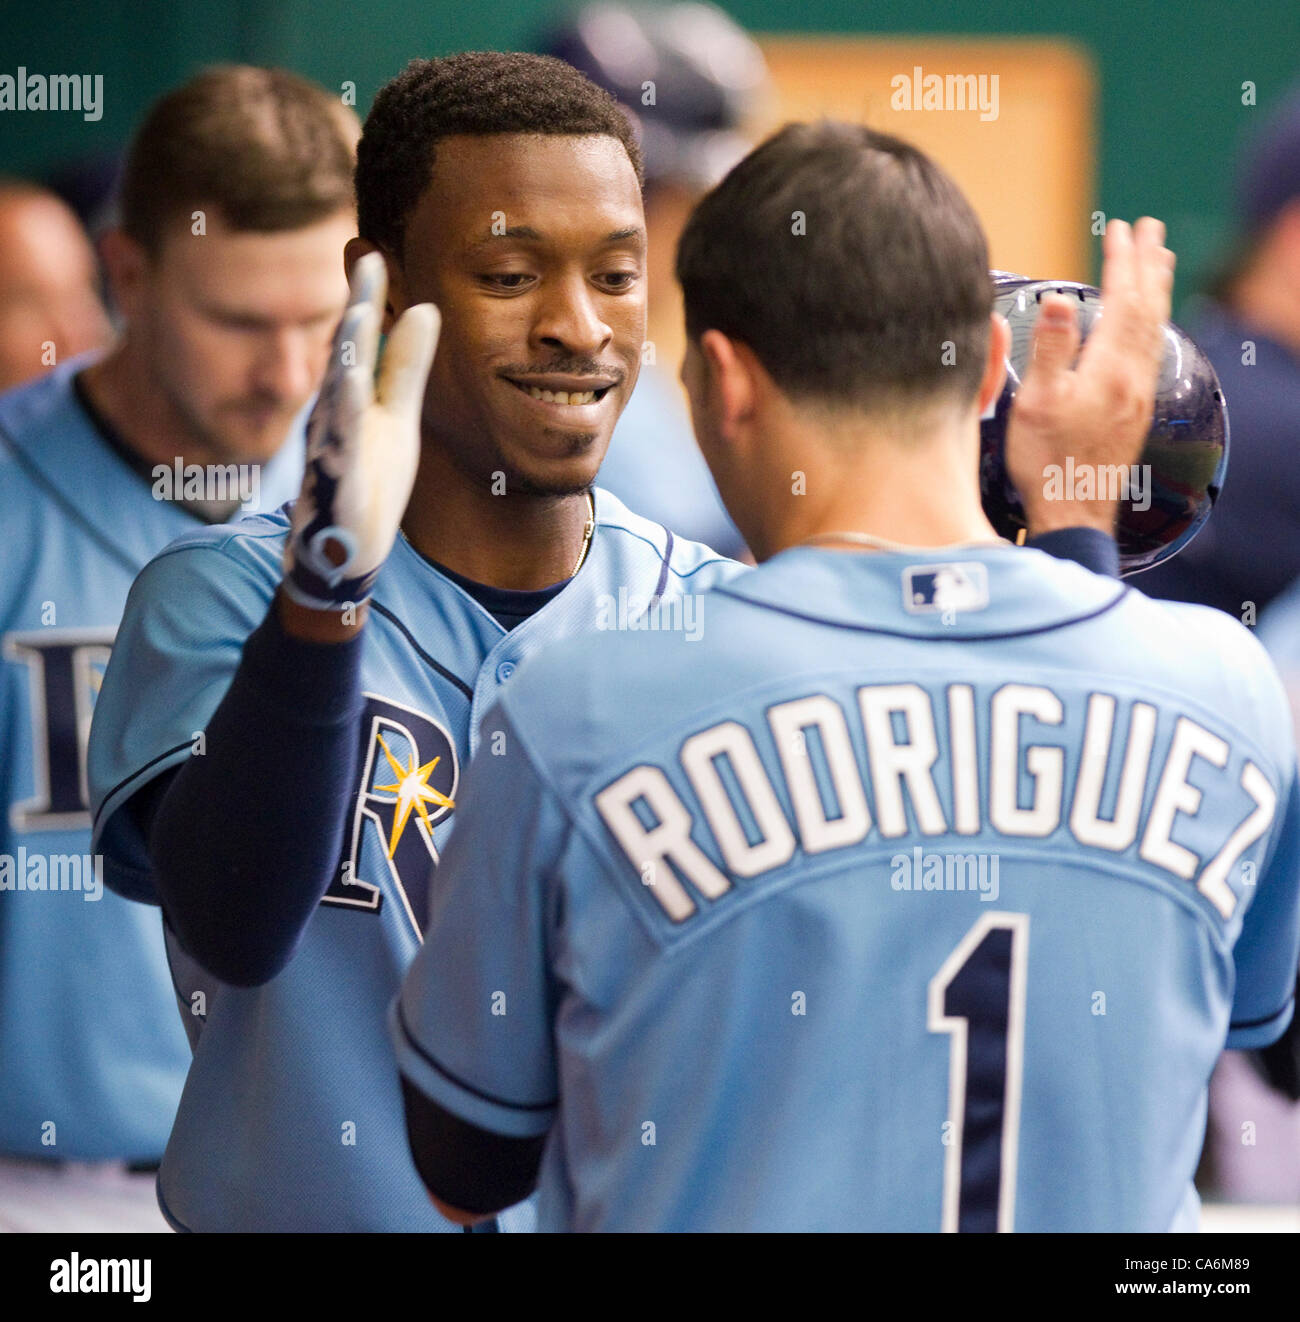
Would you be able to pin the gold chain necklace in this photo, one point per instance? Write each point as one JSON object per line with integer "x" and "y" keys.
{"x": 586, "y": 536}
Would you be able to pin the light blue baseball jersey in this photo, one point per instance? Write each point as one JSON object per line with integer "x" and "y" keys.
{"x": 1279, "y": 631}
{"x": 914, "y": 895}
{"x": 92, "y": 1057}
{"x": 292, "y": 1115}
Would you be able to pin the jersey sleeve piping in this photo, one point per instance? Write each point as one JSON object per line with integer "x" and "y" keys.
{"x": 108, "y": 807}
{"x": 455, "y": 1079}
{"x": 1261, "y": 1032}
{"x": 1000, "y": 636}
{"x": 664, "y": 555}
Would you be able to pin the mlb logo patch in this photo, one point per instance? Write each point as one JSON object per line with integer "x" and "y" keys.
{"x": 945, "y": 589}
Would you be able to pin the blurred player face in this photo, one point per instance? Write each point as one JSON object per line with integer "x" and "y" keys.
{"x": 49, "y": 301}
{"x": 235, "y": 326}
{"x": 533, "y": 247}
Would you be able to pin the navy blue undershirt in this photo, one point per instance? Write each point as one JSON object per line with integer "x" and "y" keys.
{"x": 239, "y": 899}
{"x": 508, "y": 606}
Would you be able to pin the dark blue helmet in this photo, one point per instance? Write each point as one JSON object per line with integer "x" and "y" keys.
{"x": 689, "y": 75}
{"x": 1186, "y": 452}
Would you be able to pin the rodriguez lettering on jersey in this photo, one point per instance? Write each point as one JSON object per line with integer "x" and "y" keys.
{"x": 900, "y": 726}
{"x": 694, "y": 920}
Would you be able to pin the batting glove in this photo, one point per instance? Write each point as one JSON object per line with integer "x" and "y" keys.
{"x": 363, "y": 446}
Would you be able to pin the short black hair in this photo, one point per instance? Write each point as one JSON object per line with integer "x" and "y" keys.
{"x": 849, "y": 263}
{"x": 477, "y": 93}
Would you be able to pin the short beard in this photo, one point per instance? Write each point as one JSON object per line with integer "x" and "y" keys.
{"x": 522, "y": 485}
{"x": 489, "y": 468}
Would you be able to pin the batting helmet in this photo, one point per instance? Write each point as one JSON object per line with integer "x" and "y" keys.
{"x": 1182, "y": 465}
{"x": 689, "y": 75}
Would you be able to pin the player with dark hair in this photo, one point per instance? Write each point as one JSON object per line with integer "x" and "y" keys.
{"x": 336, "y": 686}
{"x": 236, "y": 199}
{"x": 929, "y": 901}
{"x": 331, "y": 668}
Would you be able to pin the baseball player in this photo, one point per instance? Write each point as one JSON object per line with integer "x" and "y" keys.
{"x": 278, "y": 748}
{"x": 892, "y": 917}
{"x": 225, "y": 336}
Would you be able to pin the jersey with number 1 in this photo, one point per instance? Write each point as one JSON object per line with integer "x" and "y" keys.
{"x": 912, "y": 896}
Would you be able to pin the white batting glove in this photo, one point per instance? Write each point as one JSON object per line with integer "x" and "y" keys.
{"x": 363, "y": 446}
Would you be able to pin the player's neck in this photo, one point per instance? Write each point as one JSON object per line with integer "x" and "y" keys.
{"x": 126, "y": 392}
{"x": 506, "y": 541}
{"x": 922, "y": 492}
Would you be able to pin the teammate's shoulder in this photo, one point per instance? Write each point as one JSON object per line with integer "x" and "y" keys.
{"x": 1209, "y": 626}
{"x": 39, "y": 419}
{"x": 251, "y": 548}
{"x": 1222, "y": 660}
{"x": 578, "y": 696}
{"x": 34, "y": 400}
{"x": 687, "y": 566}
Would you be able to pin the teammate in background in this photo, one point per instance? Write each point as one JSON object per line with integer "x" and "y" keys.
{"x": 339, "y": 668}
{"x": 722, "y": 971}
{"x": 50, "y": 308}
{"x": 1249, "y": 328}
{"x": 235, "y": 202}
{"x": 693, "y": 80}
{"x": 1246, "y": 561}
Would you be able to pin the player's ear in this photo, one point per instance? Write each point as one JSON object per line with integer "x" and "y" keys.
{"x": 995, "y": 365}
{"x": 397, "y": 303}
{"x": 729, "y": 385}
{"x": 126, "y": 266}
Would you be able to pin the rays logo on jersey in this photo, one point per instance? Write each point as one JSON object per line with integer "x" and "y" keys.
{"x": 65, "y": 668}
{"x": 408, "y": 773}
{"x": 945, "y": 589}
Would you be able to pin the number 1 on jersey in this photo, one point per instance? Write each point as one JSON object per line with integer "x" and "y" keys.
{"x": 978, "y": 998}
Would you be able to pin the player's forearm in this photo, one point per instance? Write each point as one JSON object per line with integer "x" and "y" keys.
{"x": 320, "y": 626}
{"x": 246, "y": 839}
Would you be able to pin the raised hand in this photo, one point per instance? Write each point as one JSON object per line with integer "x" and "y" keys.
{"x": 363, "y": 447}
{"x": 1097, "y": 411}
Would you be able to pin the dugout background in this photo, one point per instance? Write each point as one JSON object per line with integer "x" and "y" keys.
{"x": 1166, "y": 101}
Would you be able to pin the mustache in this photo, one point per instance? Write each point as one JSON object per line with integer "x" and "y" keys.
{"x": 566, "y": 367}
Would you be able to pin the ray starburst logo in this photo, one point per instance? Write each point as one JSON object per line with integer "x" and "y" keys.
{"x": 413, "y": 791}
